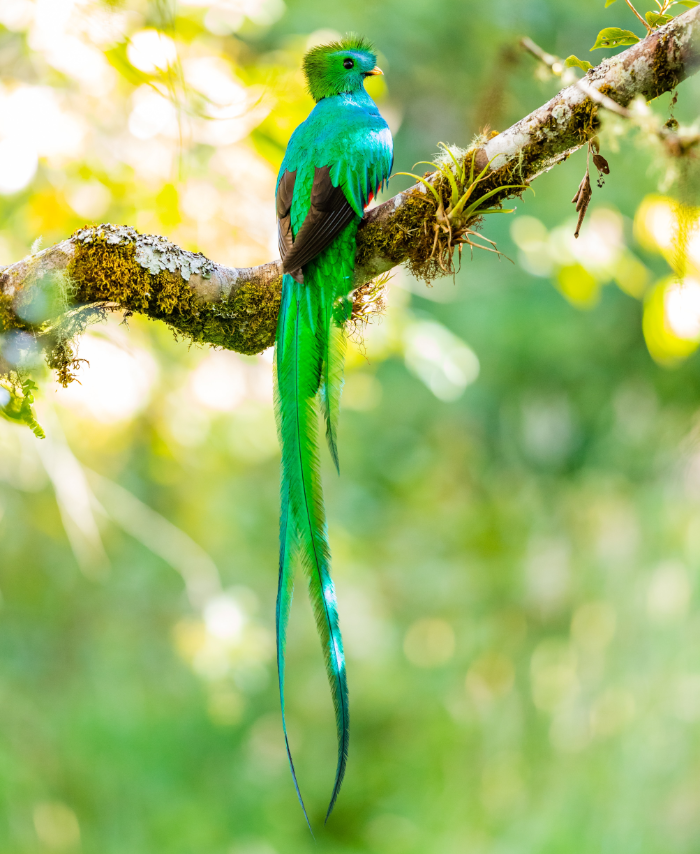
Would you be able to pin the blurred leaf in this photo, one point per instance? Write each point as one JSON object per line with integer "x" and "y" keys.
{"x": 667, "y": 345}
{"x": 609, "y": 3}
{"x": 118, "y": 59}
{"x": 614, "y": 37}
{"x": 19, "y": 398}
{"x": 689, "y": 4}
{"x": 574, "y": 62}
{"x": 578, "y": 286}
{"x": 168, "y": 206}
{"x": 656, "y": 20}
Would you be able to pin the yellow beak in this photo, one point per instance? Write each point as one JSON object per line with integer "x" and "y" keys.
{"x": 375, "y": 70}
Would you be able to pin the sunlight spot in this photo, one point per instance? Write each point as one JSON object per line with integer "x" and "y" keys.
{"x": 50, "y": 19}
{"x": 213, "y": 78}
{"x": 547, "y": 571}
{"x": 660, "y": 312}
{"x": 152, "y": 114}
{"x": 90, "y": 199}
{"x": 56, "y": 825}
{"x": 445, "y": 363}
{"x": 151, "y": 159}
{"x": 489, "y": 678}
{"x": 231, "y": 109}
{"x": 532, "y": 238}
{"x": 114, "y": 384}
{"x": 31, "y": 119}
{"x": 80, "y": 61}
{"x": 151, "y": 51}
{"x": 600, "y": 240}
{"x": 668, "y": 594}
{"x": 682, "y": 308}
{"x": 570, "y": 730}
{"x": 18, "y": 165}
{"x": 429, "y": 643}
{"x": 322, "y": 37}
{"x": 219, "y": 381}
{"x": 655, "y": 224}
{"x": 224, "y": 618}
{"x": 533, "y": 242}
{"x": 16, "y": 15}
{"x": 593, "y": 625}
{"x": 687, "y": 697}
{"x": 226, "y": 16}
{"x": 200, "y": 200}
{"x": 553, "y": 674}
{"x": 361, "y": 391}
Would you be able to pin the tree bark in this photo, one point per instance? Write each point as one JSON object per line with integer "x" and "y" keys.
{"x": 114, "y": 266}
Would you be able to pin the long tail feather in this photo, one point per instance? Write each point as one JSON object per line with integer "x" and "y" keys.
{"x": 335, "y": 311}
{"x": 299, "y": 375}
{"x": 285, "y": 584}
{"x": 285, "y": 592}
{"x": 332, "y": 383}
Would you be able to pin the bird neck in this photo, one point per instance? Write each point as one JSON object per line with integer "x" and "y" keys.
{"x": 358, "y": 98}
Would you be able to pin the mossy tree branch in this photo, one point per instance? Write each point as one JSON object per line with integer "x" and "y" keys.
{"x": 115, "y": 267}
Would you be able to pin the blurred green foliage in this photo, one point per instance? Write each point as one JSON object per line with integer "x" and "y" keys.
{"x": 516, "y": 531}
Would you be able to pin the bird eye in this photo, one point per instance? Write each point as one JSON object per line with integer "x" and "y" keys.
{"x": 348, "y": 63}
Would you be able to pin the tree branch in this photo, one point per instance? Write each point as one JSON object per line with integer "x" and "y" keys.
{"x": 114, "y": 266}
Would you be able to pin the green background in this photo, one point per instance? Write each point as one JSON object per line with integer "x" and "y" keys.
{"x": 516, "y": 567}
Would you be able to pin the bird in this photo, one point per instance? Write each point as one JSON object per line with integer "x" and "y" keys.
{"x": 335, "y": 163}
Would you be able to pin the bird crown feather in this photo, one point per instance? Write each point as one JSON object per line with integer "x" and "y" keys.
{"x": 324, "y": 77}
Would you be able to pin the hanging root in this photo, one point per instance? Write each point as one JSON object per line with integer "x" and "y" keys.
{"x": 368, "y": 301}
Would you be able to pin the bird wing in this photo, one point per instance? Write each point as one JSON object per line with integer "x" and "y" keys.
{"x": 361, "y": 156}
{"x": 329, "y": 213}
{"x": 285, "y": 194}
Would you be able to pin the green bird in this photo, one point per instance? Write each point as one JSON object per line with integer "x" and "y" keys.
{"x": 335, "y": 163}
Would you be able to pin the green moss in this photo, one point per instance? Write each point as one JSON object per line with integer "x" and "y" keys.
{"x": 8, "y": 318}
{"x": 60, "y": 357}
{"x": 403, "y": 235}
{"x": 106, "y": 269}
{"x": 665, "y": 67}
{"x": 584, "y": 121}
{"x": 246, "y": 323}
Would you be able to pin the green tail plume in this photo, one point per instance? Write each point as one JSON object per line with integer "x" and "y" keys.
{"x": 303, "y": 350}
{"x": 337, "y": 264}
{"x": 332, "y": 383}
{"x": 285, "y": 592}
{"x": 285, "y": 584}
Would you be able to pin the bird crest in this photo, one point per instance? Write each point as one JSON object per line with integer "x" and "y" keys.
{"x": 339, "y": 67}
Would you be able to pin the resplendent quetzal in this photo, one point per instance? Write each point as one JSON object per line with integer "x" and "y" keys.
{"x": 336, "y": 161}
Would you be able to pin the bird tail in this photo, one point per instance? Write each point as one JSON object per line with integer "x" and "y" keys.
{"x": 302, "y": 348}
{"x": 335, "y": 312}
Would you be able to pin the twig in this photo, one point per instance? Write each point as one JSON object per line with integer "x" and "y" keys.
{"x": 554, "y": 63}
{"x": 602, "y": 99}
{"x": 648, "y": 28}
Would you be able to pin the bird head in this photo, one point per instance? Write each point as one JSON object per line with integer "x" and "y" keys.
{"x": 339, "y": 67}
